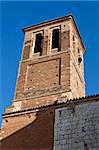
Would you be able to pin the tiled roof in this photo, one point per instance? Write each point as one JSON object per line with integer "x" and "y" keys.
{"x": 68, "y": 101}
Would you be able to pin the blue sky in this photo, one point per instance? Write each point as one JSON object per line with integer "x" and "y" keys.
{"x": 16, "y": 15}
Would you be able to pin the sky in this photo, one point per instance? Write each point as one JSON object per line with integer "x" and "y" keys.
{"x": 15, "y": 15}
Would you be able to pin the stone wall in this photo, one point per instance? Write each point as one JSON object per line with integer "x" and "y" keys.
{"x": 77, "y": 127}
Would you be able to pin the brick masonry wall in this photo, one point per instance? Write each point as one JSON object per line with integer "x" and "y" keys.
{"x": 39, "y": 74}
{"x": 77, "y": 127}
{"x": 51, "y": 69}
{"x": 44, "y": 74}
{"x": 76, "y": 68}
{"x": 37, "y": 134}
{"x": 52, "y": 73}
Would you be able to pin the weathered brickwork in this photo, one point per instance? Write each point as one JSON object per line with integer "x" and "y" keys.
{"x": 77, "y": 127}
{"x": 51, "y": 72}
{"x": 56, "y": 68}
{"x": 44, "y": 74}
{"x": 30, "y": 131}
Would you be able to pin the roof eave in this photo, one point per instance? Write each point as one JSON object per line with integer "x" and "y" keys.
{"x": 45, "y": 23}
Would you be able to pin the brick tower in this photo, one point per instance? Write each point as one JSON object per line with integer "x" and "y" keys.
{"x": 51, "y": 71}
{"x": 51, "y": 65}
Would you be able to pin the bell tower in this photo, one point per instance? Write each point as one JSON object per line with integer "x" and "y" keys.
{"x": 51, "y": 66}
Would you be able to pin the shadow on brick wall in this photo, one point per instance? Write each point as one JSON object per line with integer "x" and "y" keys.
{"x": 36, "y": 136}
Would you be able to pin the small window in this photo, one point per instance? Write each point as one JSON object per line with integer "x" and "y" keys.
{"x": 79, "y": 59}
{"x": 55, "y": 38}
{"x": 78, "y": 50}
{"x": 38, "y": 43}
{"x": 73, "y": 38}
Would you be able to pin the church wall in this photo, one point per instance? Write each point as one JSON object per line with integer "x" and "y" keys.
{"x": 77, "y": 127}
{"x": 36, "y": 135}
{"x": 73, "y": 125}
